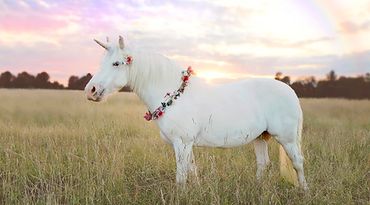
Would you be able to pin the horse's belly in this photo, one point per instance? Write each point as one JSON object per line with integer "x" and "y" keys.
{"x": 223, "y": 142}
{"x": 224, "y": 138}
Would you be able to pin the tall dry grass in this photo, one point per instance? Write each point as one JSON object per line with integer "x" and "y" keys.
{"x": 57, "y": 148}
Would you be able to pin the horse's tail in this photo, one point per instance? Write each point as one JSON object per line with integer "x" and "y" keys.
{"x": 286, "y": 168}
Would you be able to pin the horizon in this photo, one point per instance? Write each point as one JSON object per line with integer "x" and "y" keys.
{"x": 214, "y": 78}
{"x": 219, "y": 39}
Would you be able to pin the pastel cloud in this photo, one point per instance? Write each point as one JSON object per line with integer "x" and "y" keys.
{"x": 252, "y": 37}
{"x": 353, "y": 27}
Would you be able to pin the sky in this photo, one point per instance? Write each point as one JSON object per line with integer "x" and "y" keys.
{"x": 218, "y": 38}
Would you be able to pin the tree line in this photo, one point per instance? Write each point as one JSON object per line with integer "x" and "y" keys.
{"x": 42, "y": 81}
{"x": 26, "y": 80}
{"x": 331, "y": 86}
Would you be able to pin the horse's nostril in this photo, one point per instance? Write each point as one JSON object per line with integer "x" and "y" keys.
{"x": 93, "y": 89}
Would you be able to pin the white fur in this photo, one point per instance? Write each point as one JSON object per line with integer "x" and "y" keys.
{"x": 209, "y": 115}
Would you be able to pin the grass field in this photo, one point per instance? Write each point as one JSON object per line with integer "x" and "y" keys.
{"x": 58, "y": 148}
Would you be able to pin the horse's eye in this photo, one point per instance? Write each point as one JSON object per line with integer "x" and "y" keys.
{"x": 116, "y": 63}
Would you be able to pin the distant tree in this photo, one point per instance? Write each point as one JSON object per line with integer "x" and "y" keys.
{"x": 56, "y": 85}
{"x": 285, "y": 79}
{"x": 278, "y": 75}
{"x": 305, "y": 87}
{"x": 72, "y": 82}
{"x": 311, "y": 80}
{"x": 331, "y": 76}
{"x": 24, "y": 80}
{"x": 6, "y": 79}
{"x": 42, "y": 80}
{"x": 75, "y": 83}
{"x": 84, "y": 80}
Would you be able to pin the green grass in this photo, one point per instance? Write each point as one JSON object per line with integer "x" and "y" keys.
{"x": 58, "y": 148}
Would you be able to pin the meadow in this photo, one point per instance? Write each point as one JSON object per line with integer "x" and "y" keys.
{"x": 58, "y": 148}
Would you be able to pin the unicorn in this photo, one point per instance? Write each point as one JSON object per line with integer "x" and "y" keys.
{"x": 192, "y": 112}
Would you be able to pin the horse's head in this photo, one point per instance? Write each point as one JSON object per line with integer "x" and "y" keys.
{"x": 113, "y": 73}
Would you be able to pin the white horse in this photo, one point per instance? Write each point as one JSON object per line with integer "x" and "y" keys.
{"x": 204, "y": 114}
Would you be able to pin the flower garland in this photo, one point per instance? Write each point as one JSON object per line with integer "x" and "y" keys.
{"x": 169, "y": 98}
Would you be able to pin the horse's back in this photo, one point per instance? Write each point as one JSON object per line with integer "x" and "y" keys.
{"x": 263, "y": 87}
{"x": 261, "y": 90}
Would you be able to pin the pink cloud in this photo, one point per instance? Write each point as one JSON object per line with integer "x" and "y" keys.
{"x": 30, "y": 23}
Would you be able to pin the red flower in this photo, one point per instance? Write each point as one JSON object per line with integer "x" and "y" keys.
{"x": 190, "y": 70}
{"x": 148, "y": 116}
{"x": 185, "y": 78}
{"x": 129, "y": 60}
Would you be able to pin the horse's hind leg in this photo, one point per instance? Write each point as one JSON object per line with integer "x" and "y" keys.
{"x": 295, "y": 155}
{"x": 262, "y": 155}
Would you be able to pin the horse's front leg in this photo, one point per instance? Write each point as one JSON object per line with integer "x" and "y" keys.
{"x": 183, "y": 152}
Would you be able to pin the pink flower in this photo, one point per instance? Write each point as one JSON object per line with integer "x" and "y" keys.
{"x": 190, "y": 70}
{"x": 129, "y": 60}
{"x": 148, "y": 116}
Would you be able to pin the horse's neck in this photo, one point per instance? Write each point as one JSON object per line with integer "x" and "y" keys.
{"x": 152, "y": 76}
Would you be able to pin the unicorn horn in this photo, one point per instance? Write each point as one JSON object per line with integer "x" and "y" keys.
{"x": 101, "y": 44}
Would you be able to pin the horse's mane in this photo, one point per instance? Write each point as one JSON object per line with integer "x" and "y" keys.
{"x": 152, "y": 69}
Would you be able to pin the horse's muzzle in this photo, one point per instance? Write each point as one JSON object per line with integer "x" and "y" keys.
{"x": 94, "y": 93}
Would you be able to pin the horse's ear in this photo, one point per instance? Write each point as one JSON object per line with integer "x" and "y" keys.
{"x": 101, "y": 44}
{"x": 120, "y": 42}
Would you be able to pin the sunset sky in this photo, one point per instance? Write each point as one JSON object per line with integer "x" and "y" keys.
{"x": 219, "y": 38}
